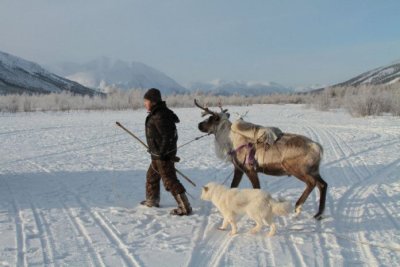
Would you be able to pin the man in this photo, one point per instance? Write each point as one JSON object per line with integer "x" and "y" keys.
{"x": 162, "y": 136}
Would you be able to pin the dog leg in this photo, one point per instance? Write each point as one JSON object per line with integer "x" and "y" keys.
{"x": 272, "y": 231}
{"x": 234, "y": 227}
{"x": 224, "y": 225}
{"x": 256, "y": 228}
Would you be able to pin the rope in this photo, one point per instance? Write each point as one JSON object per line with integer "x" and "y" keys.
{"x": 227, "y": 177}
{"x": 197, "y": 138}
{"x": 191, "y": 141}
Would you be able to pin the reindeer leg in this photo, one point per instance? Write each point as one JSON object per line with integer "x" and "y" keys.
{"x": 322, "y": 186}
{"x": 237, "y": 177}
{"x": 309, "y": 188}
{"x": 253, "y": 176}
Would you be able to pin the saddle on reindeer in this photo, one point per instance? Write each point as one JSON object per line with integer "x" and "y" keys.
{"x": 251, "y": 136}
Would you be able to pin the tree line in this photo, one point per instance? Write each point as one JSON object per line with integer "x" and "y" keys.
{"x": 365, "y": 100}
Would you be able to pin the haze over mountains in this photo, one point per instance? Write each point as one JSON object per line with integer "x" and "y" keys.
{"x": 226, "y": 88}
{"x": 104, "y": 73}
{"x": 18, "y": 76}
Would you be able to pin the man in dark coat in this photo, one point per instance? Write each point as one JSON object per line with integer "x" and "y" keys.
{"x": 162, "y": 137}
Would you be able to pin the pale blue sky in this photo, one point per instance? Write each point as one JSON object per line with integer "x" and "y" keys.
{"x": 290, "y": 42}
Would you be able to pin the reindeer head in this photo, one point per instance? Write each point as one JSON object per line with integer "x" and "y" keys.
{"x": 211, "y": 124}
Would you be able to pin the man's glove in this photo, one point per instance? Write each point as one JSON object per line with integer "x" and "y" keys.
{"x": 164, "y": 157}
{"x": 176, "y": 159}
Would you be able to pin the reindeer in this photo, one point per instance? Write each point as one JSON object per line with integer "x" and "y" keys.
{"x": 291, "y": 155}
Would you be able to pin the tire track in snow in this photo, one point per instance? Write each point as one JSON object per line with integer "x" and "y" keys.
{"x": 67, "y": 151}
{"x": 295, "y": 253}
{"x": 19, "y": 230}
{"x": 47, "y": 245}
{"x": 389, "y": 214}
{"x": 20, "y": 236}
{"x": 356, "y": 191}
{"x": 221, "y": 251}
{"x": 340, "y": 153}
{"x": 268, "y": 244}
{"x": 321, "y": 226}
{"x": 361, "y": 152}
{"x": 199, "y": 235}
{"x": 96, "y": 259}
{"x": 209, "y": 239}
{"x": 44, "y": 231}
{"x": 351, "y": 175}
{"x": 330, "y": 202}
{"x": 342, "y": 144}
{"x": 384, "y": 171}
{"x": 202, "y": 241}
{"x": 360, "y": 187}
{"x": 109, "y": 230}
{"x": 262, "y": 244}
{"x": 112, "y": 236}
{"x": 45, "y": 129}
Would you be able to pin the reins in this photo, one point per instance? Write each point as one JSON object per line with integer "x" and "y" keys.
{"x": 189, "y": 142}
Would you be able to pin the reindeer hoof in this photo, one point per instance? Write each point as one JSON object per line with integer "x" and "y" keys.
{"x": 297, "y": 210}
{"x": 318, "y": 216}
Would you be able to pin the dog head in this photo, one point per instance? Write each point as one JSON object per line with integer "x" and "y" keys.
{"x": 205, "y": 193}
{"x": 208, "y": 191}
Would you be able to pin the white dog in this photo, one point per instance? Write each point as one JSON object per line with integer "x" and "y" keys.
{"x": 257, "y": 204}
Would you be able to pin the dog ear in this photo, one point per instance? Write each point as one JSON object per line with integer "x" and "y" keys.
{"x": 205, "y": 188}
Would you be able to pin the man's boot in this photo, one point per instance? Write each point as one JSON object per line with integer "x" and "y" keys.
{"x": 184, "y": 207}
{"x": 151, "y": 203}
{"x": 152, "y": 196}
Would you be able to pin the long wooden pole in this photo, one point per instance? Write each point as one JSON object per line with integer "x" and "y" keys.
{"x": 140, "y": 141}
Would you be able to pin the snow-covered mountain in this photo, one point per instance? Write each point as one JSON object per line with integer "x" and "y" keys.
{"x": 383, "y": 75}
{"x": 221, "y": 87}
{"x": 21, "y": 76}
{"x": 105, "y": 73}
{"x": 308, "y": 88}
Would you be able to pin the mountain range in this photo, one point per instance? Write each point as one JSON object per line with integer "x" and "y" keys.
{"x": 18, "y": 75}
{"x": 104, "y": 74}
{"x": 226, "y": 88}
{"x": 383, "y": 75}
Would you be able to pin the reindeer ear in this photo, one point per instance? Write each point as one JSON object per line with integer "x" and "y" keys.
{"x": 205, "y": 188}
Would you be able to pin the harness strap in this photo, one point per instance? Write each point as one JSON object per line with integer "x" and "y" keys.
{"x": 250, "y": 157}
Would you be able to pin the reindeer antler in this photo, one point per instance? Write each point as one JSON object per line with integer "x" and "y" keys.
{"x": 220, "y": 106}
{"x": 206, "y": 110}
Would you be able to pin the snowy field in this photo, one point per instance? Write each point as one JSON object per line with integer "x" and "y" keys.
{"x": 70, "y": 184}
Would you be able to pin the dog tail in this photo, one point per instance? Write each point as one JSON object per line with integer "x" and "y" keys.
{"x": 281, "y": 207}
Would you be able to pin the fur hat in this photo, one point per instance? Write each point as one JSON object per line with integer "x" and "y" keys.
{"x": 153, "y": 94}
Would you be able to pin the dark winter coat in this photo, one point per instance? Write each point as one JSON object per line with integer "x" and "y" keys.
{"x": 161, "y": 133}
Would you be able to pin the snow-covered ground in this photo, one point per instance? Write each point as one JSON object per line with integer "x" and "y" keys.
{"x": 70, "y": 184}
